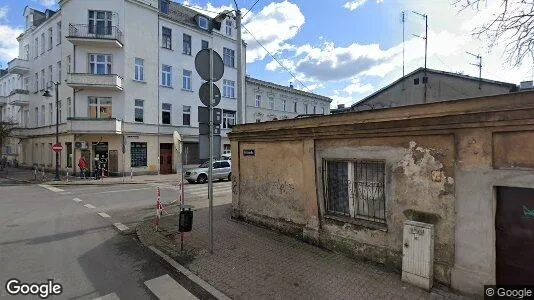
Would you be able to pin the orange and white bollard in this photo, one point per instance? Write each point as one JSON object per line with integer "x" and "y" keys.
{"x": 159, "y": 209}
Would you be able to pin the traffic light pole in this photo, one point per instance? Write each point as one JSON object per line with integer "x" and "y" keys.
{"x": 210, "y": 170}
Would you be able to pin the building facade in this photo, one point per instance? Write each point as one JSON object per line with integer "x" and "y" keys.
{"x": 267, "y": 101}
{"x": 9, "y": 114}
{"x": 428, "y": 86}
{"x": 126, "y": 78}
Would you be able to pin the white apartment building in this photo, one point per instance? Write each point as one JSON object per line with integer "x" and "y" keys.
{"x": 127, "y": 81}
{"x": 267, "y": 101}
{"x": 9, "y": 114}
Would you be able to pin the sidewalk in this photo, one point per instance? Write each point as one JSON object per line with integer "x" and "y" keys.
{"x": 255, "y": 263}
{"x": 28, "y": 176}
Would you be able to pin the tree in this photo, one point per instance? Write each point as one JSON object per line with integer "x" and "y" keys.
{"x": 512, "y": 24}
{"x": 6, "y": 130}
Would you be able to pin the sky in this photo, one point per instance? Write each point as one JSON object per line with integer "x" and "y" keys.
{"x": 342, "y": 49}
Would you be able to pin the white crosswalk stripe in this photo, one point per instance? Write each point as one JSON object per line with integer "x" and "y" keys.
{"x": 111, "y": 296}
{"x": 166, "y": 288}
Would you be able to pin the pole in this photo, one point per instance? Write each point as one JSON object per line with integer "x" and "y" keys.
{"x": 241, "y": 109}
{"x": 426, "y": 47}
{"x": 479, "y": 72}
{"x": 210, "y": 169}
{"x": 182, "y": 200}
{"x": 403, "y": 20}
{"x": 56, "y": 178}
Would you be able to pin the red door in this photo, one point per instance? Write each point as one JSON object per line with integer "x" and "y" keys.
{"x": 165, "y": 166}
{"x": 514, "y": 228}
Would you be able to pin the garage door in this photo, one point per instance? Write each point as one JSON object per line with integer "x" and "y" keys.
{"x": 190, "y": 154}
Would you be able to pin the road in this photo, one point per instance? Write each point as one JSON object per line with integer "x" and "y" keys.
{"x": 67, "y": 234}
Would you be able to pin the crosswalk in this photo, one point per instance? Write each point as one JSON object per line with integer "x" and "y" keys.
{"x": 220, "y": 189}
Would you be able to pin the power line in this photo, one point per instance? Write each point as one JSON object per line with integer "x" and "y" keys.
{"x": 251, "y": 8}
{"x": 303, "y": 85}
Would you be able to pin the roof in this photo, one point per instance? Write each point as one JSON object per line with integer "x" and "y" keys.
{"x": 182, "y": 14}
{"x": 285, "y": 88}
{"x": 512, "y": 86}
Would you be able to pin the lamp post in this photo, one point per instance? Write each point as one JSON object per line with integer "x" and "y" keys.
{"x": 47, "y": 94}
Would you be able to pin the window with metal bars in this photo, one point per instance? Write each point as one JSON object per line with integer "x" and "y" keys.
{"x": 355, "y": 189}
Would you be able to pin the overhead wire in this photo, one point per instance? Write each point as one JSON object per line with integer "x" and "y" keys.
{"x": 251, "y": 8}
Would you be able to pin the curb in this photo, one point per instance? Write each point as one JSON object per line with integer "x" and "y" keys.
{"x": 19, "y": 180}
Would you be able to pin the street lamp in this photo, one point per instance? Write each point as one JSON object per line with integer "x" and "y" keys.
{"x": 47, "y": 94}
{"x": 240, "y": 118}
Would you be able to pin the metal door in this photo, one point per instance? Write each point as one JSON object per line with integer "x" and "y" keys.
{"x": 514, "y": 230}
{"x": 113, "y": 162}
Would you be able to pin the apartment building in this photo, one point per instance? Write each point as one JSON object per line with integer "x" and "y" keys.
{"x": 126, "y": 80}
{"x": 267, "y": 101}
{"x": 9, "y": 113}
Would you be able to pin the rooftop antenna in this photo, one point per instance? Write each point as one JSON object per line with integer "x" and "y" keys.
{"x": 479, "y": 65}
{"x": 425, "y": 79}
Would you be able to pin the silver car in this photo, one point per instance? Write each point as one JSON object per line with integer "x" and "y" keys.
{"x": 222, "y": 169}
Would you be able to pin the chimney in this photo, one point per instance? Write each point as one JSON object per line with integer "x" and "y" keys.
{"x": 340, "y": 106}
{"x": 526, "y": 85}
{"x": 290, "y": 84}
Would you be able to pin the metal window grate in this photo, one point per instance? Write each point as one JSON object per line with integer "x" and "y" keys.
{"x": 337, "y": 200}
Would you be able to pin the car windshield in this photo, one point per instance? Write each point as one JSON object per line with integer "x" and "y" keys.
{"x": 206, "y": 164}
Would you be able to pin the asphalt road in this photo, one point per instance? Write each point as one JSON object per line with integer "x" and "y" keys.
{"x": 67, "y": 235}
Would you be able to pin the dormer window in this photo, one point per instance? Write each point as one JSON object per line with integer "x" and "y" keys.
{"x": 164, "y": 6}
{"x": 203, "y": 22}
{"x": 229, "y": 25}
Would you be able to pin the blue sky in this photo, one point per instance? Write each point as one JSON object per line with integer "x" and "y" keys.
{"x": 343, "y": 49}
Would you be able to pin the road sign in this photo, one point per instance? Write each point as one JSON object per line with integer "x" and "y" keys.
{"x": 203, "y": 145}
{"x": 204, "y": 94}
{"x": 202, "y": 65}
{"x": 204, "y": 115}
{"x": 204, "y": 128}
{"x": 57, "y": 147}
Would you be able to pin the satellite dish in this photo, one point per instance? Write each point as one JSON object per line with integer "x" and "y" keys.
{"x": 177, "y": 138}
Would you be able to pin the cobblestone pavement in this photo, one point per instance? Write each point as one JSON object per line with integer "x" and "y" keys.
{"x": 255, "y": 263}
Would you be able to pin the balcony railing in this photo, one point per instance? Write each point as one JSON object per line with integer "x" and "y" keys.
{"x": 85, "y": 34}
{"x": 18, "y": 66}
{"x": 18, "y": 97}
{"x": 95, "y": 81}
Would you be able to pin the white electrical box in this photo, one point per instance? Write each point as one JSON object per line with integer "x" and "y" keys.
{"x": 418, "y": 254}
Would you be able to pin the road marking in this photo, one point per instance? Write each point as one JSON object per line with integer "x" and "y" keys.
{"x": 166, "y": 288}
{"x": 111, "y": 296}
{"x": 120, "y": 226}
{"x": 206, "y": 286}
{"x": 104, "y": 215}
{"x": 118, "y": 191}
{"x": 77, "y": 200}
{"x": 51, "y": 188}
{"x": 66, "y": 193}
{"x": 89, "y": 205}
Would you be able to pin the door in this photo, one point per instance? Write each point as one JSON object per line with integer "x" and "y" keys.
{"x": 113, "y": 162}
{"x": 165, "y": 163}
{"x": 514, "y": 229}
{"x": 190, "y": 154}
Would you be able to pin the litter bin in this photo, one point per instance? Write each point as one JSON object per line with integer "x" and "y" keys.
{"x": 185, "y": 223}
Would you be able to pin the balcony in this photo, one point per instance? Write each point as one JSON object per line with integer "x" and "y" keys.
{"x": 18, "y": 66}
{"x": 91, "y": 125}
{"x": 82, "y": 34}
{"x": 94, "y": 81}
{"x": 18, "y": 97}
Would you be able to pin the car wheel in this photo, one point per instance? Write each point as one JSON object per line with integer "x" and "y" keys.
{"x": 202, "y": 178}
{"x": 230, "y": 176}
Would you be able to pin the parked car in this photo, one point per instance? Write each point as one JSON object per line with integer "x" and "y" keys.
{"x": 227, "y": 152}
{"x": 226, "y": 157}
{"x": 222, "y": 169}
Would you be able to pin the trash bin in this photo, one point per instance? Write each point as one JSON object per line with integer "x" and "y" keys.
{"x": 185, "y": 223}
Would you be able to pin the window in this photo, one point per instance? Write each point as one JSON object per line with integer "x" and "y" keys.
{"x": 322, "y": 111}
{"x": 205, "y": 44}
{"x": 203, "y": 22}
{"x": 284, "y": 101}
{"x": 164, "y": 6}
{"x": 295, "y": 106}
{"x": 100, "y": 22}
{"x": 138, "y": 110}
{"x": 139, "y": 69}
{"x": 26, "y": 83}
{"x": 26, "y": 52}
{"x": 43, "y": 79}
{"x": 36, "y": 115}
{"x": 258, "y": 101}
{"x": 138, "y": 153}
{"x": 100, "y": 63}
{"x": 166, "y": 75}
{"x": 100, "y": 107}
{"x": 271, "y": 102}
{"x": 59, "y": 112}
{"x": 305, "y": 108}
{"x": 42, "y": 43}
{"x": 50, "y": 38}
{"x": 36, "y": 82}
{"x": 166, "y": 113}
{"x": 68, "y": 63}
{"x": 425, "y": 79}
{"x": 228, "y": 57}
{"x": 416, "y": 81}
{"x": 69, "y": 154}
{"x": 51, "y": 112}
{"x": 58, "y": 32}
{"x": 186, "y": 80}
{"x": 50, "y": 74}
{"x": 228, "y": 88}
{"x": 186, "y": 116}
{"x": 36, "y": 47}
{"x": 355, "y": 189}
{"x": 314, "y": 109}
{"x": 59, "y": 71}
{"x": 228, "y": 118}
{"x": 258, "y": 120}
{"x": 69, "y": 108}
{"x": 229, "y": 27}
{"x": 166, "y": 38}
{"x": 43, "y": 114}
{"x": 187, "y": 44}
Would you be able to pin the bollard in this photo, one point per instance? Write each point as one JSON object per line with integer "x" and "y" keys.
{"x": 131, "y": 174}
{"x": 159, "y": 209}
{"x": 102, "y": 174}
{"x": 67, "y": 176}
{"x": 35, "y": 174}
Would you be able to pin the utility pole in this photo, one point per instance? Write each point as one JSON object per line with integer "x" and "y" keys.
{"x": 241, "y": 114}
{"x": 479, "y": 65}
{"x": 425, "y": 78}
{"x": 403, "y": 20}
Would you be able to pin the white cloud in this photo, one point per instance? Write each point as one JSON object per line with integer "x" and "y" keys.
{"x": 8, "y": 42}
{"x": 3, "y": 12}
{"x": 356, "y": 86}
{"x": 48, "y": 3}
{"x": 352, "y": 5}
{"x": 337, "y": 99}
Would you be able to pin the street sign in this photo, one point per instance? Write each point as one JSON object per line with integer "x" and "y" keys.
{"x": 204, "y": 115}
{"x": 57, "y": 147}
{"x": 204, "y": 128}
{"x": 203, "y": 145}
{"x": 204, "y": 94}
{"x": 202, "y": 65}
